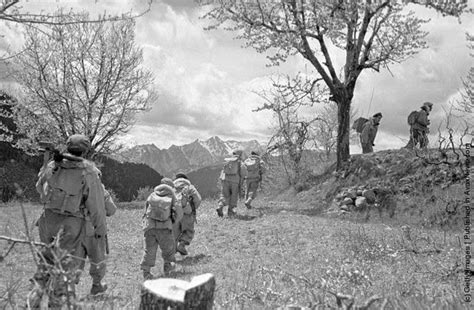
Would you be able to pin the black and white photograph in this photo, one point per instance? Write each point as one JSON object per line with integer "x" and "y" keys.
{"x": 236, "y": 154}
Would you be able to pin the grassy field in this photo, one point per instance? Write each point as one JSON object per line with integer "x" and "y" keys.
{"x": 274, "y": 255}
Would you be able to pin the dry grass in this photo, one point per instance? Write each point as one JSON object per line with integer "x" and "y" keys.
{"x": 271, "y": 256}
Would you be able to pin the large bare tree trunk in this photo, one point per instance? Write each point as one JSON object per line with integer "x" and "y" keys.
{"x": 164, "y": 294}
{"x": 343, "y": 116}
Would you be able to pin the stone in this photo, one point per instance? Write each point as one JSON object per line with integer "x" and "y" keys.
{"x": 352, "y": 193}
{"x": 347, "y": 201}
{"x": 369, "y": 195}
{"x": 361, "y": 202}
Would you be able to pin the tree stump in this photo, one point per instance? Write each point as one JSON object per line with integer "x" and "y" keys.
{"x": 164, "y": 294}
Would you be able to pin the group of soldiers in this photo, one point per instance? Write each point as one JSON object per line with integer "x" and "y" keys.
{"x": 76, "y": 205}
{"x": 417, "y": 120}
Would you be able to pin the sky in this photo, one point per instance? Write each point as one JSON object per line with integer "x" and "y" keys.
{"x": 207, "y": 83}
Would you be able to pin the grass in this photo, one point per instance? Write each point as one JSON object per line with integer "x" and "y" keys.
{"x": 274, "y": 255}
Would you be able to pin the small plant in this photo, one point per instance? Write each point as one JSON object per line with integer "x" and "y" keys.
{"x": 143, "y": 193}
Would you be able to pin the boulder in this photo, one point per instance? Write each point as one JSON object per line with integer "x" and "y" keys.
{"x": 361, "y": 202}
{"x": 369, "y": 195}
{"x": 347, "y": 201}
{"x": 352, "y": 193}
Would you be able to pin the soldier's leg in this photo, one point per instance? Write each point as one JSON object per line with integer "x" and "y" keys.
{"x": 423, "y": 140}
{"x": 187, "y": 229}
{"x": 252, "y": 188}
{"x": 167, "y": 247}
{"x": 150, "y": 246}
{"x": 224, "y": 198}
{"x": 411, "y": 141}
{"x": 97, "y": 259}
{"x": 234, "y": 198}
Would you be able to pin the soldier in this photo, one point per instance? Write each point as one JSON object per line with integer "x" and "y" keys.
{"x": 190, "y": 200}
{"x": 369, "y": 131}
{"x": 96, "y": 249}
{"x": 255, "y": 170}
{"x": 70, "y": 190}
{"x": 232, "y": 177}
{"x": 419, "y": 122}
{"x": 161, "y": 212}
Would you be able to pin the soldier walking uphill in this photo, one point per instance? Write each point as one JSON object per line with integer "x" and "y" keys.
{"x": 70, "y": 190}
{"x": 190, "y": 200}
{"x": 232, "y": 177}
{"x": 161, "y": 211}
{"x": 419, "y": 122}
{"x": 369, "y": 131}
{"x": 255, "y": 170}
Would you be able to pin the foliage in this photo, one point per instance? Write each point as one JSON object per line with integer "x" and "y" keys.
{"x": 293, "y": 131}
{"x": 81, "y": 78}
{"x": 372, "y": 34}
{"x": 143, "y": 193}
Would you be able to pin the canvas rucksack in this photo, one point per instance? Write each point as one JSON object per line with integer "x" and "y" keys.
{"x": 359, "y": 124}
{"x": 253, "y": 167}
{"x": 159, "y": 207}
{"x": 65, "y": 190}
{"x": 231, "y": 166}
{"x": 412, "y": 117}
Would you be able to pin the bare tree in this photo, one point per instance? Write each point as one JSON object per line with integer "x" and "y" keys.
{"x": 293, "y": 130}
{"x": 81, "y": 78}
{"x": 373, "y": 35}
{"x": 466, "y": 104}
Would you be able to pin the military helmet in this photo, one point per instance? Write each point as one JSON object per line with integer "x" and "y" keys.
{"x": 428, "y": 105}
{"x": 78, "y": 143}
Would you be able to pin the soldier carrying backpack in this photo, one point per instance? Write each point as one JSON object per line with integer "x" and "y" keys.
{"x": 368, "y": 133}
{"x": 419, "y": 122}
{"x": 232, "y": 176}
{"x": 255, "y": 170}
{"x": 161, "y": 212}
{"x": 70, "y": 190}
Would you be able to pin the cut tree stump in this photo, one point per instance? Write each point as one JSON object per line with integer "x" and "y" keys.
{"x": 178, "y": 294}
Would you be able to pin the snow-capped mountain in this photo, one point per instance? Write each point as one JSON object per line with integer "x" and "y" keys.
{"x": 188, "y": 157}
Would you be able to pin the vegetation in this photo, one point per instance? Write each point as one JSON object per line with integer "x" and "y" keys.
{"x": 283, "y": 256}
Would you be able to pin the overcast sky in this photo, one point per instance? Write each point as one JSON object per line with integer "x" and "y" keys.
{"x": 205, "y": 80}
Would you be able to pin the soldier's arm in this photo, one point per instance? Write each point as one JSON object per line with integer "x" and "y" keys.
{"x": 196, "y": 197}
{"x": 178, "y": 209}
{"x": 243, "y": 171}
{"x": 364, "y": 135}
{"x": 110, "y": 207}
{"x": 95, "y": 203}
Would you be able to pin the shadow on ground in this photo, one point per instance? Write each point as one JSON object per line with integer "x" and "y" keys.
{"x": 192, "y": 260}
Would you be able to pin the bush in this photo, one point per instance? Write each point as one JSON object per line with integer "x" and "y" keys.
{"x": 143, "y": 193}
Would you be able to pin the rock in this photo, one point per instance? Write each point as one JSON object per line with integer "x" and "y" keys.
{"x": 361, "y": 202}
{"x": 359, "y": 192}
{"x": 345, "y": 208}
{"x": 369, "y": 195}
{"x": 352, "y": 193}
{"x": 347, "y": 201}
{"x": 339, "y": 196}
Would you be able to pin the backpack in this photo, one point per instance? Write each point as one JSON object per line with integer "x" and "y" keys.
{"x": 65, "y": 190}
{"x": 359, "y": 124}
{"x": 231, "y": 166}
{"x": 253, "y": 167}
{"x": 159, "y": 207}
{"x": 412, "y": 118}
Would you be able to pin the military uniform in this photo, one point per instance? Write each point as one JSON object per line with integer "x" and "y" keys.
{"x": 367, "y": 136}
{"x": 96, "y": 249}
{"x": 419, "y": 130}
{"x": 70, "y": 190}
{"x": 190, "y": 200}
{"x": 160, "y": 233}
{"x": 253, "y": 181}
{"x": 231, "y": 186}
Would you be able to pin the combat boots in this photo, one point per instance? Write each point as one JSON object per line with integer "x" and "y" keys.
{"x": 169, "y": 267}
{"x": 181, "y": 248}
{"x": 98, "y": 288}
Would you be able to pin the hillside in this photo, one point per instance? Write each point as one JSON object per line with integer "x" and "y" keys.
{"x": 188, "y": 157}
{"x": 426, "y": 189}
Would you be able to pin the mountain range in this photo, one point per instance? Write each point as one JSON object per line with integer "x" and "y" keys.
{"x": 185, "y": 158}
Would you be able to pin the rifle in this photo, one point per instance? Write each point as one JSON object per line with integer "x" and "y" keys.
{"x": 48, "y": 148}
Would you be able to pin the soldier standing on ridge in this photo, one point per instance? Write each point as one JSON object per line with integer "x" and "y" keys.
{"x": 190, "y": 200}
{"x": 369, "y": 131}
{"x": 419, "y": 122}
{"x": 232, "y": 177}
{"x": 70, "y": 190}
{"x": 255, "y": 170}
